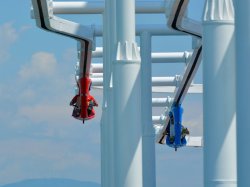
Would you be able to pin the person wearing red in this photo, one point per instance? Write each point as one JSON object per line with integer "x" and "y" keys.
{"x": 83, "y": 102}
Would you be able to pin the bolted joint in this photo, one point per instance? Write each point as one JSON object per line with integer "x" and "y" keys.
{"x": 170, "y": 101}
{"x": 187, "y": 56}
{"x": 178, "y": 79}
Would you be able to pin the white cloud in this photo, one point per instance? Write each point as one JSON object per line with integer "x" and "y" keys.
{"x": 29, "y": 158}
{"x": 42, "y": 112}
{"x": 8, "y": 36}
{"x": 42, "y": 64}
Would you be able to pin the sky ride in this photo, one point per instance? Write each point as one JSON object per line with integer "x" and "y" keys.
{"x": 82, "y": 102}
{"x": 117, "y": 108}
{"x": 219, "y": 86}
{"x": 172, "y": 133}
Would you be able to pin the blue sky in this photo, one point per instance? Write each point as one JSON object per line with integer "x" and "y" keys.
{"x": 38, "y": 136}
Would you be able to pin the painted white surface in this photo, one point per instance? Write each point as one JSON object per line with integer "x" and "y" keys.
{"x": 219, "y": 95}
{"x": 167, "y": 57}
{"x": 128, "y": 161}
{"x": 194, "y": 141}
{"x": 107, "y": 122}
{"x": 97, "y": 7}
{"x": 148, "y": 132}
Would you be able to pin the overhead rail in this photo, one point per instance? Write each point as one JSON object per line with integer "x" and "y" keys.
{"x": 43, "y": 13}
{"x": 97, "y": 7}
{"x": 193, "y": 28}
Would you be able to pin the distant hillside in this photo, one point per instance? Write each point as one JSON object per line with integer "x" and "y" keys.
{"x": 52, "y": 183}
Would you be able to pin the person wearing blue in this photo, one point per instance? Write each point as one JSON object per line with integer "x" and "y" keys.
{"x": 176, "y": 132}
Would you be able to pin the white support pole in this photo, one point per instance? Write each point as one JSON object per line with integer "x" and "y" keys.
{"x": 127, "y": 100}
{"x": 242, "y": 25}
{"x": 219, "y": 95}
{"x": 107, "y": 121}
{"x": 148, "y": 137}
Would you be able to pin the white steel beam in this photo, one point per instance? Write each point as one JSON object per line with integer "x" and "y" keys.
{"x": 97, "y": 81}
{"x": 153, "y": 29}
{"x": 96, "y": 68}
{"x": 171, "y": 57}
{"x": 166, "y": 81}
{"x": 98, "y": 53}
{"x": 96, "y": 75}
{"x": 167, "y": 57}
{"x": 84, "y": 7}
{"x": 97, "y": 7}
{"x": 156, "y": 81}
{"x": 193, "y": 89}
{"x": 162, "y": 102}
